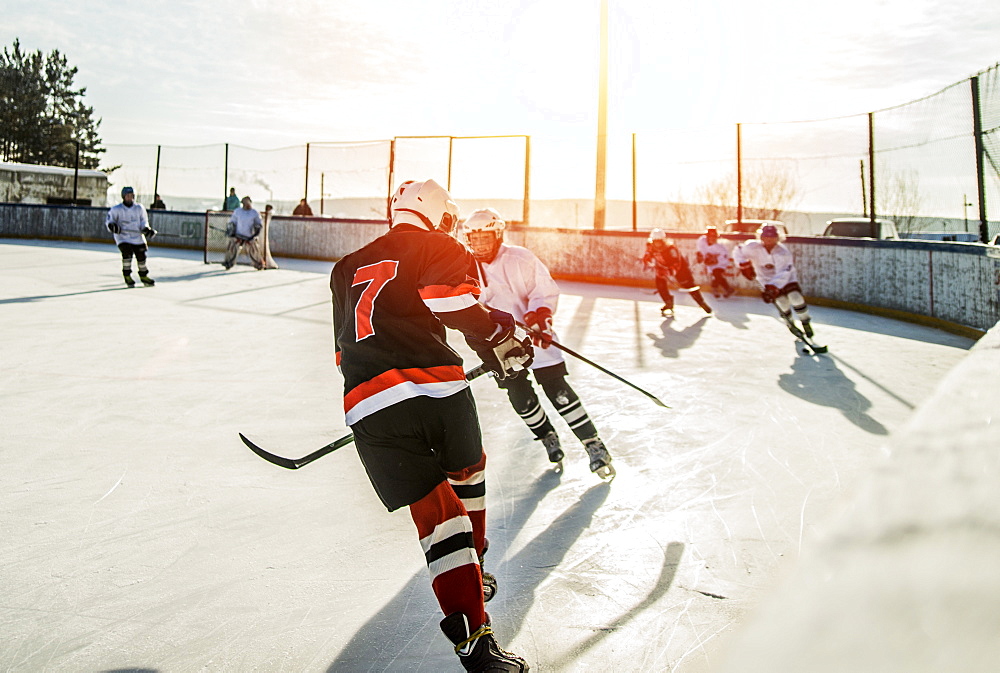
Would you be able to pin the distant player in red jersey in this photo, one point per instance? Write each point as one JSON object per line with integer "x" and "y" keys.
{"x": 409, "y": 405}
{"x": 668, "y": 262}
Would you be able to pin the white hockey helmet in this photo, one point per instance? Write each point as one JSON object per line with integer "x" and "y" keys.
{"x": 424, "y": 204}
{"x": 484, "y": 233}
{"x": 485, "y": 219}
{"x": 657, "y": 235}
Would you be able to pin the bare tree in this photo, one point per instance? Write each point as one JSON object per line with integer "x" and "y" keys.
{"x": 769, "y": 190}
{"x": 899, "y": 199}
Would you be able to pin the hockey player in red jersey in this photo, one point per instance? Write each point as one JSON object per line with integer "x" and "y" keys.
{"x": 409, "y": 405}
{"x": 668, "y": 262}
{"x": 516, "y": 281}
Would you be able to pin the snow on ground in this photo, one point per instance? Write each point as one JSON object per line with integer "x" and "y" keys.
{"x": 139, "y": 534}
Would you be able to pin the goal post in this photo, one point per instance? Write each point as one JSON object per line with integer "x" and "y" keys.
{"x": 217, "y": 242}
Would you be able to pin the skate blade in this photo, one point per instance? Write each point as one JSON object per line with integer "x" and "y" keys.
{"x": 557, "y": 467}
{"x": 606, "y": 472}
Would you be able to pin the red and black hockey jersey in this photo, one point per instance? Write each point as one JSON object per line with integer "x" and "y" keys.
{"x": 391, "y": 302}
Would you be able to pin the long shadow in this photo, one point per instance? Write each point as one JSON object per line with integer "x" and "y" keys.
{"x": 43, "y": 297}
{"x": 820, "y": 381}
{"x": 668, "y": 571}
{"x": 404, "y": 635}
{"x": 673, "y": 341}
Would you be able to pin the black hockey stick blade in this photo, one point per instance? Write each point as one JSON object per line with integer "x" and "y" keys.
{"x": 569, "y": 351}
{"x": 296, "y": 463}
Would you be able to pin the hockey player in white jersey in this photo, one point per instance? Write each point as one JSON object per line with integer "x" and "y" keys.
{"x": 768, "y": 261}
{"x": 514, "y": 280}
{"x": 130, "y": 225}
{"x": 715, "y": 256}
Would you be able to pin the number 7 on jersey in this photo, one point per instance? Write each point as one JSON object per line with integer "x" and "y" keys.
{"x": 376, "y": 276}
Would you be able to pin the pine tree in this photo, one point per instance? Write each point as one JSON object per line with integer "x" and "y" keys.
{"x": 42, "y": 116}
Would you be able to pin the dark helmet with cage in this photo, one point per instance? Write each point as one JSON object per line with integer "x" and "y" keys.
{"x": 767, "y": 231}
{"x": 484, "y": 233}
{"x": 425, "y": 204}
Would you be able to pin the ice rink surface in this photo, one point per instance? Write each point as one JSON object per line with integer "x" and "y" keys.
{"x": 137, "y": 533}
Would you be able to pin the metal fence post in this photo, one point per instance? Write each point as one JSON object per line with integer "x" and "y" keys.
{"x": 871, "y": 166}
{"x": 739, "y": 173}
{"x": 977, "y": 130}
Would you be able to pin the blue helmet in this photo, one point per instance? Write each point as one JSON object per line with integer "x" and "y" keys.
{"x": 127, "y": 190}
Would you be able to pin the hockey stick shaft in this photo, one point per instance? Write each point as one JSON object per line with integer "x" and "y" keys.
{"x": 593, "y": 364}
{"x": 296, "y": 463}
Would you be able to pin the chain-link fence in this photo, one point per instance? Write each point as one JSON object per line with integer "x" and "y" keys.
{"x": 349, "y": 180}
{"x": 930, "y": 165}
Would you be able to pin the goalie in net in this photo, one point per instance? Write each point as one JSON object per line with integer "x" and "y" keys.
{"x": 239, "y": 237}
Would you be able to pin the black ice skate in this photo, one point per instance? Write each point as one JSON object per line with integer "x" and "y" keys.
{"x": 600, "y": 459}
{"x": 489, "y": 581}
{"x": 552, "y": 447}
{"x": 479, "y": 652}
{"x": 128, "y": 278}
{"x": 809, "y": 346}
{"x": 146, "y": 280}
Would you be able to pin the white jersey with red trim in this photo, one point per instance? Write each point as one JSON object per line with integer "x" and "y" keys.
{"x": 391, "y": 302}
{"x": 517, "y": 282}
{"x": 713, "y": 255}
{"x": 773, "y": 268}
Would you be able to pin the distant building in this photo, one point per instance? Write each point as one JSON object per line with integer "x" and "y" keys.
{"x": 26, "y": 183}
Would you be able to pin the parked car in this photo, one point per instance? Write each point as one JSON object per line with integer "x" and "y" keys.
{"x": 751, "y": 226}
{"x": 861, "y": 227}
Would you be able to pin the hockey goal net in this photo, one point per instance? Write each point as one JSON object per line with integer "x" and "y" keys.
{"x": 217, "y": 242}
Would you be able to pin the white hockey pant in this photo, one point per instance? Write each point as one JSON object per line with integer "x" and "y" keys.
{"x": 794, "y": 300}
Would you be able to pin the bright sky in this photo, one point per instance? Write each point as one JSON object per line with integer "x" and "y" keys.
{"x": 274, "y": 73}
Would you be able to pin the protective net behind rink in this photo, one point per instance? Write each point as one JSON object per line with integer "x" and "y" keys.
{"x": 217, "y": 242}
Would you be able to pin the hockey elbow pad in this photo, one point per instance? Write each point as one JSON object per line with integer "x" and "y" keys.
{"x": 746, "y": 268}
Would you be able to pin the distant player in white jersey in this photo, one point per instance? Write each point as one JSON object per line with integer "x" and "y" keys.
{"x": 130, "y": 225}
{"x": 514, "y": 280}
{"x": 768, "y": 261}
{"x": 715, "y": 256}
{"x": 243, "y": 230}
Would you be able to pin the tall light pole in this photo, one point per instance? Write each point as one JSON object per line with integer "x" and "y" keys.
{"x": 600, "y": 204}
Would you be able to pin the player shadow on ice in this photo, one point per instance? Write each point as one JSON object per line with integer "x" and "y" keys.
{"x": 142, "y": 669}
{"x": 668, "y": 572}
{"x": 820, "y": 381}
{"x": 673, "y": 341}
{"x": 43, "y": 297}
{"x": 385, "y": 641}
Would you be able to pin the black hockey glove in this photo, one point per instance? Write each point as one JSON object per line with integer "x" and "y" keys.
{"x": 230, "y": 230}
{"x": 504, "y": 352}
{"x": 256, "y": 231}
{"x": 149, "y": 232}
{"x": 769, "y": 294}
{"x": 114, "y": 228}
{"x": 746, "y": 268}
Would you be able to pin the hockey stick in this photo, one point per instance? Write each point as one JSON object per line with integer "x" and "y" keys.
{"x": 569, "y": 351}
{"x": 296, "y": 463}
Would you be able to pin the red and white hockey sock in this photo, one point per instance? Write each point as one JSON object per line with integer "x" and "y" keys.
{"x": 470, "y": 487}
{"x": 446, "y": 536}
